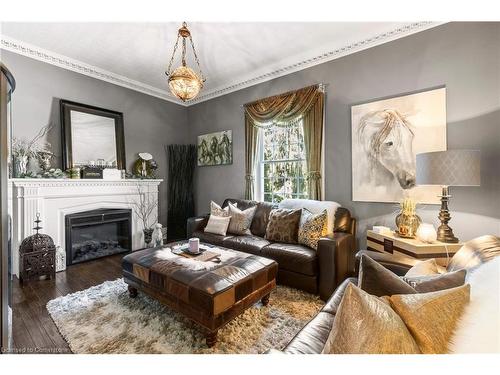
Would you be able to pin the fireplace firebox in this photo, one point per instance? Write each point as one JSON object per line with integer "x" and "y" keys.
{"x": 97, "y": 233}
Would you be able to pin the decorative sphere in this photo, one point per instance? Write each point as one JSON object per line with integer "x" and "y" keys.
{"x": 426, "y": 233}
{"x": 185, "y": 83}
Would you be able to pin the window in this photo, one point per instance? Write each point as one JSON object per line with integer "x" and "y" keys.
{"x": 282, "y": 164}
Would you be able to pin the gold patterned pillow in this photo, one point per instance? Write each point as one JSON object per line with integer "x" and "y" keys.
{"x": 312, "y": 227}
{"x": 283, "y": 225}
{"x": 402, "y": 323}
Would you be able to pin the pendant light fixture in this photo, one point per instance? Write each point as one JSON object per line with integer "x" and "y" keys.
{"x": 184, "y": 83}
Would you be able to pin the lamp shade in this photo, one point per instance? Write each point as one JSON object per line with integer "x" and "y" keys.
{"x": 449, "y": 168}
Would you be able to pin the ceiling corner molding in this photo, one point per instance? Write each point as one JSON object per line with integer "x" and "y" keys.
{"x": 408, "y": 29}
{"x": 65, "y": 62}
{"x": 61, "y": 61}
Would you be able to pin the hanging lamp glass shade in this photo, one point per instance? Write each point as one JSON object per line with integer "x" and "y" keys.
{"x": 185, "y": 83}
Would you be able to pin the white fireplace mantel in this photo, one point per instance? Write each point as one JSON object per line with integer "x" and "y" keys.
{"x": 53, "y": 199}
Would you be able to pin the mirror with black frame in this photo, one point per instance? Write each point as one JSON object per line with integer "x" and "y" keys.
{"x": 92, "y": 136}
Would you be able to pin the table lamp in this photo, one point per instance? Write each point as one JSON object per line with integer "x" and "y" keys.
{"x": 448, "y": 168}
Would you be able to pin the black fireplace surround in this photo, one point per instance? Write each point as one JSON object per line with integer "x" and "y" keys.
{"x": 97, "y": 233}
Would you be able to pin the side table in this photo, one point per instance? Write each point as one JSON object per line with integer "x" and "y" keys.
{"x": 393, "y": 244}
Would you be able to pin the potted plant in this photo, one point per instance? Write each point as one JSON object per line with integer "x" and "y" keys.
{"x": 23, "y": 150}
{"x": 144, "y": 207}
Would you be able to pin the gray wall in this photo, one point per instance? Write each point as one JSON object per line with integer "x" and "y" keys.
{"x": 463, "y": 56}
{"x": 150, "y": 123}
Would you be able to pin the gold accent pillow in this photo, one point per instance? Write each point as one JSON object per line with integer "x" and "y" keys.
{"x": 432, "y": 317}
{"x": 402, "y": 323}
{"x": 364, "y": 324}
{"x": 312, "y": 227}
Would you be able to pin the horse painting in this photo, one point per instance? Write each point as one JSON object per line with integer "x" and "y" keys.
{"x": 215, "y": 148}
{"x": 386, "y": 136}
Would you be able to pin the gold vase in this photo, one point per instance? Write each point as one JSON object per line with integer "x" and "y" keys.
{"x": 407, "y": 225}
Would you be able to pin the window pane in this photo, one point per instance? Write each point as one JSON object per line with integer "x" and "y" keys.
{"x": 284, "y": 166}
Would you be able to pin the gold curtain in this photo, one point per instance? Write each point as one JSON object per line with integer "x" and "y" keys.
{"x": 285, "y": 110}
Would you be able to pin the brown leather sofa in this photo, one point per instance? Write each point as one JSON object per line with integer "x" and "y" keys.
{"x": 312, "y": 338}
{"x": 301, "y": 267}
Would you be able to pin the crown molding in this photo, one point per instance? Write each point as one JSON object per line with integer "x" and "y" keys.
{"x": 37, "y": 53}
{"x": 405, "y": 30}
{"x": 65, "y": 62}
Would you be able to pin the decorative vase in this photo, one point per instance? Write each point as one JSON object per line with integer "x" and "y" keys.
{"x": 20, "y": 165}
{"x": 44, "y": 160}
{"x": 148, "y": 236}
{"x": 407, "y": 225}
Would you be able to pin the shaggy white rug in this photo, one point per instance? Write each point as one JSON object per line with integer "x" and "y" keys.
{"x": 104, "y": 319}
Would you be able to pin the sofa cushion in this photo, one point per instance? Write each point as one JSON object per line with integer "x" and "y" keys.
{"x": 312, "y": 227}
{"x": 214, "y": 239}
{"x": 291, "y": 257}
{"x": 283, "y": 225}
{"x": 316, "y": 207}
{"x": 261, "y": 218}
{"x": 240, "y": 219}
{"x": 365, "y": 324}
{"x": 248, "y": 244}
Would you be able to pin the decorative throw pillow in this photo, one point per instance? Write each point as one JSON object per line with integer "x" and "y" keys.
{"x": 432, "y": 317}
{"x": 364, "y": 324}
{"x": 283, "y": 225}
{"x": 217, "y": 225}
{"x": 240, "y": 220}
{"x": 377, "y": 280}
{"x": 217, "y": 210}
{"x": 312, "y": 227}
{"x": 423, "y": 268}
{"x": 403, "y": 323}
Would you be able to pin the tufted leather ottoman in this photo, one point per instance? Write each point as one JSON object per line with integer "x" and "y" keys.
{"x": 211, "y": 294}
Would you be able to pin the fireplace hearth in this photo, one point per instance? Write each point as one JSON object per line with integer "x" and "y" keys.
{"x": 97, "y": 233}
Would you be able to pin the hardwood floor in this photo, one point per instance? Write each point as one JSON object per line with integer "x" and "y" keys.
{"x": 32, "y": 327}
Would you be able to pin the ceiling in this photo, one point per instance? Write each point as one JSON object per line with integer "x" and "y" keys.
{"x": 232, "y": 55}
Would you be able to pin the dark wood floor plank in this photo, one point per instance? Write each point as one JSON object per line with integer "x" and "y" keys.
{"x": 32, "y": 325}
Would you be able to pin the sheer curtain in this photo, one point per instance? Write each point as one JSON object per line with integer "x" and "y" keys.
{"x": 306, "y": 104}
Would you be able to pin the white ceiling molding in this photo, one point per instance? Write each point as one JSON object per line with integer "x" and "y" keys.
{"x": 65, "y": 62}
{"x": 239, "y": 83}
{"x": 400, "y": 32}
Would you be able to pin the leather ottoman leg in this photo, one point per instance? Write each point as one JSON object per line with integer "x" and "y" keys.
{"x": 211, "y": 338}
{"x": 265, "y": 300}
{"x": 132, "y": 292}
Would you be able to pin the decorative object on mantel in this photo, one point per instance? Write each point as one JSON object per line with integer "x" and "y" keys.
{"x": 51, "y": 173}
{"x": 184, "y": 83}
{"x": 215, "y": 148}
{"x": 44, "y": 160}
{"x": 386, "y": 136}
{"x": 60, "y": 259}
{"x": 93, "y": 137}
{"x": 37, "y": 255}
{"x": 145, "y": 207}
{"x": 145, "y": 166}
{"x": 23, "y": 150}
{"x": 448, "y": 168}
{"x": 407, "y": 221}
